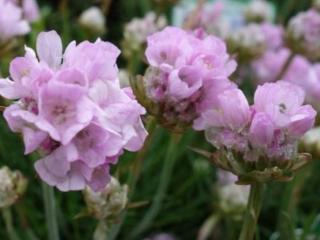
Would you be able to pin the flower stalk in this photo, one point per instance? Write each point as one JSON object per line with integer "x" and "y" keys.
{"x": 252, "y": 212}
{"x": 285, "y": 67}
{"x": 160, "y": 194}
{"x": 7, "y": 217}
{"x": 50, "y": 210}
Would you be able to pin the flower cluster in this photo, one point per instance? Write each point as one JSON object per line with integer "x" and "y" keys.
{"x": 186, "y": 71}
{"x": 15, "y": 17}
{"x": 303, "y": 34}
{"x": 267, "y": 131}
{"x": 71, "y": 109}
{"x": 300, "y": 72}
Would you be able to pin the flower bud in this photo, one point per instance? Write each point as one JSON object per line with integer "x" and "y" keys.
{"x": 311, "y": 142}
{"x": 247, "y": 43}
{"x": 93, "y": 20}
{"x": 258, "y": 11}
{"x": 12, "y": 187}
{"x": 108, "y": 203}
{"x": 233, "y": 198}
{"x": 303, "y": 34}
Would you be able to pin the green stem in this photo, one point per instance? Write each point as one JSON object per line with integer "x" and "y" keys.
{"x": 285, "y": 67}
{"x": 7, "y": 217}
{"x": 291, "y": 197}
{"x": 136, "y": 172}
{"x": 50, "y": 208}
{"x": 252, "y": 212}
{"x": 162, "y": 187}
{"x": 101, "y": 232}
{"x": 139, "y": 159}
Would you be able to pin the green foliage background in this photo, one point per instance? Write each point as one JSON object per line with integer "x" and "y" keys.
{"x": 191, "y": 197}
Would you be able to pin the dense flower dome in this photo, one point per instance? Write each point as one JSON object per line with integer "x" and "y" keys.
{"x": 70, "y": 108}
{"x": 186, "y": 71}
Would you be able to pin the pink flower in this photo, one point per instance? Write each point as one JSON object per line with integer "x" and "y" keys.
{"x": 168, "y": 53}
{"x": 270, "y": 128}
{"x": 65, "y": 109}
{"x": 231, "y": 110}
{"x": 97, "y": 60}
{"x": 280, "y": 118}
{"x": 70, "y": 108}
{"x": 273, "y": 35}
{"x": 186, "y": 71}
{"x": 12, "y": 23}
{"x": 279, "y": 100}
{"x": 267, "y": 68}
{"x": 226, "y": 120}
{"x": 261, "y": 130}
{"x": 303, "y": 34}
{"x": 30, "y": 9}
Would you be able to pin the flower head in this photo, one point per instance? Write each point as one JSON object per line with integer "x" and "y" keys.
{"x": 262, "y": 137}
{"x": 303, "y": 35}
{"x": 185, "y": 74}
{"x": 70, "y": 108}
{"x": 12, "y": 23}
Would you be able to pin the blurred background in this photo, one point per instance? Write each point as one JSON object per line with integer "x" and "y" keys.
{"x": 192, "y": 202}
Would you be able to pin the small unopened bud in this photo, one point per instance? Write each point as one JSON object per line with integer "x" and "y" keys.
{"x": 311, "y": 142}
{"x": 258, "y": 11}
{"x": 303, "y": 34}
{"x": 247, "y": 43}
{"x": 12, "y": 187}
{"x": 108, "y": 203}
{"x": 93, "y": 20}
{"x": 232, "y": 198}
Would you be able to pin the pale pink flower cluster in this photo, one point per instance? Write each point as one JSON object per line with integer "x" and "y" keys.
{"x": 186, "y": 72}
{"x": 70, "y": 108}
{"x": 304, "y": 34}
{"x": 268, "y": 129}
{"x": 300, "y": 71}
{"x": 15, "y": 17}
